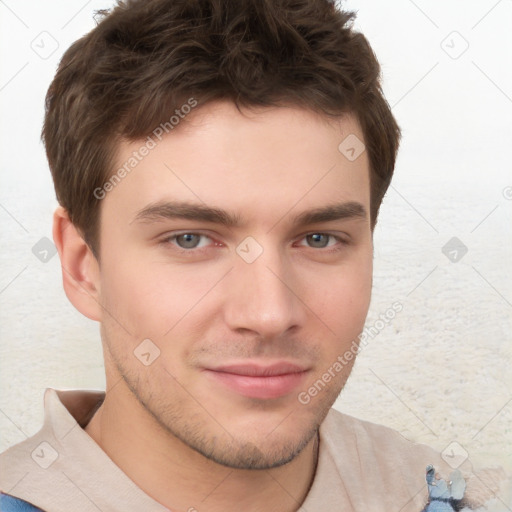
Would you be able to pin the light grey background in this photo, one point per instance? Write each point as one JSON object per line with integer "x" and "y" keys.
{"x": 440, "y": 372}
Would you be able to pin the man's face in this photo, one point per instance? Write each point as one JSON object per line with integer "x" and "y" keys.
{"x": 246, "y": 314}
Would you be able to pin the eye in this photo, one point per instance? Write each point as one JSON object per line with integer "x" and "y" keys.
{"x": 322, "y": 240}
{"x": 188, "y": 240}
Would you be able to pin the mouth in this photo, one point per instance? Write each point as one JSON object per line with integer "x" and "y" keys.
{"x": 259, "y": 381}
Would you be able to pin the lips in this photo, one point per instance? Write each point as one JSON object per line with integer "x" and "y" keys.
{"x": 259, "y": 381}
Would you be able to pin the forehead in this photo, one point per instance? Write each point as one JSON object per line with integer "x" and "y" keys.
{"x": 256, "y": 164}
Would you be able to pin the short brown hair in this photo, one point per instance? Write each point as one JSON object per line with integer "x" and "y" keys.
{"x": 145, "y": 58}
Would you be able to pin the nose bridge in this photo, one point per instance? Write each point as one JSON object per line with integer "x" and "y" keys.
{"x": 259, "y": 294}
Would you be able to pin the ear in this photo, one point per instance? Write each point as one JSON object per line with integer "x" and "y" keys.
{"x": 80, "y": 269}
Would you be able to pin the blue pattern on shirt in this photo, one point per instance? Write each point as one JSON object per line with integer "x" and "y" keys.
{"x": 9, "y": 503}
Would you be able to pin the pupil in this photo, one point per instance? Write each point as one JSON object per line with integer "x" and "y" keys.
{"x": 318, "y": 240}
{"x": 187, "y": 241}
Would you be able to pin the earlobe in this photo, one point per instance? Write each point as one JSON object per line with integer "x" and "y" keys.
{"x": 80, "y": 269}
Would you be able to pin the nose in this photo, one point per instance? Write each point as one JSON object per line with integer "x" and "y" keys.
{"x": 260, "y": 296}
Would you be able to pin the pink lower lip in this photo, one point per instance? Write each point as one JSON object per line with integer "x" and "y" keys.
{"x": 273, "y": 386}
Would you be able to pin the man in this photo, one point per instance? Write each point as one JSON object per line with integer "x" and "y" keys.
{"x": 220, "y": 167}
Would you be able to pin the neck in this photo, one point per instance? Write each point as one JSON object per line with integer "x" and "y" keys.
{"x": 180, "y": 478}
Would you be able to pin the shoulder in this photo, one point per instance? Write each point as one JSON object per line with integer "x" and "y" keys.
{"x": 15, "y": 464}
{"x": 16, "y": 461}
{"x": 25, "y": 469}
{"x": 394, "y": 463}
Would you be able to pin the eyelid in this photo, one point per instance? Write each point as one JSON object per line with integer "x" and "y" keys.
{"x": 342, "y": 239}
{"x": 171, "y": 237}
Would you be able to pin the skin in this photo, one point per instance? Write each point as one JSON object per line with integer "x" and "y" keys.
{"x": 174, "y": 428}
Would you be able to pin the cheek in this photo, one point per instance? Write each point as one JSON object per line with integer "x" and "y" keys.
{"x": 150, "y": 298}
{"x": 343, "y": 299}
{"x": 345, "y": 313}
{"x": 342, "y": 306}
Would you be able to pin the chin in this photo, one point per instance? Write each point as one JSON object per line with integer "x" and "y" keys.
{"x": 263, "y": 455}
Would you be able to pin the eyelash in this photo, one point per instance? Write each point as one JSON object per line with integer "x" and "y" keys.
{"x": 168, "y": 240}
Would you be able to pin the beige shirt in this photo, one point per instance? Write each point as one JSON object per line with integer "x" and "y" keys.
{"x": 361, "y": 467}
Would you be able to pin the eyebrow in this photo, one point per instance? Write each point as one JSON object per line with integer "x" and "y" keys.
{"x": 178, "y": 210}
{"x": 348, "y": 210}
{"x": 168, "y": 210}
